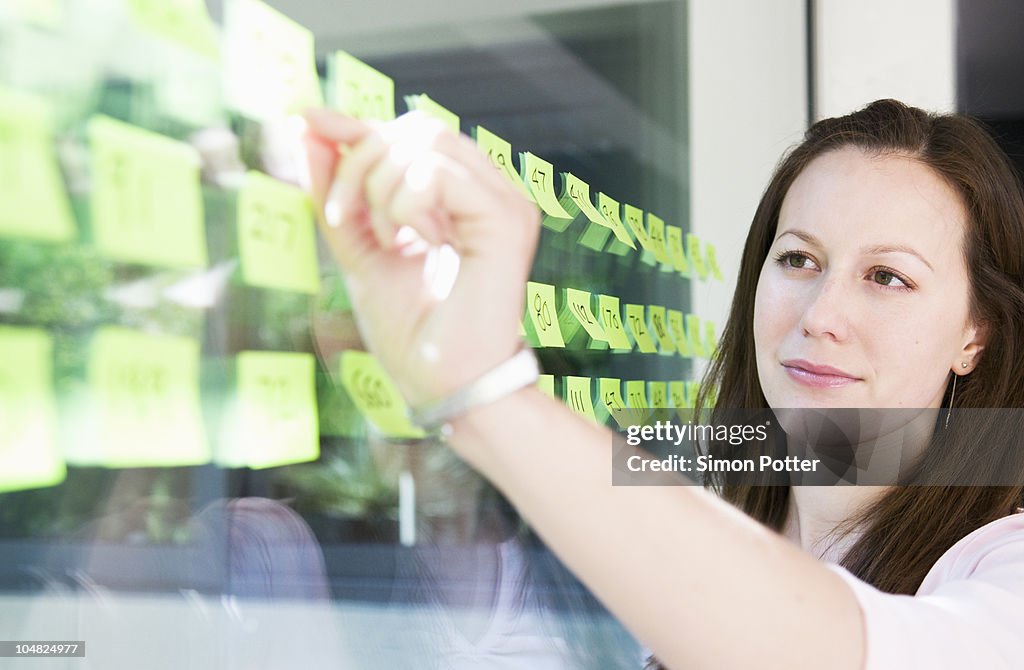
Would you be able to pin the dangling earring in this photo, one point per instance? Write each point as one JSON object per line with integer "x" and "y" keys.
{"x": 951, "y": 395}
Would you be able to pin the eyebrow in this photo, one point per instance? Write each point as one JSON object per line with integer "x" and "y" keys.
{"x": 879, "y": 249}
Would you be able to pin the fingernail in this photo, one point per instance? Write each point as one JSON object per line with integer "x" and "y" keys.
{"x": 335, "y": 209}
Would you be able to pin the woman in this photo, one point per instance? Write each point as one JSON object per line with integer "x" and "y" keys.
{"x": 886, "y": 253}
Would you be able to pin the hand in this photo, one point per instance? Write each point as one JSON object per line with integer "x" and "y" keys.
{"x": 391, "y": 195}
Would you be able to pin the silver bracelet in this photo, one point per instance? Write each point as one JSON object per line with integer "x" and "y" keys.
{"x": 517, "y": 372}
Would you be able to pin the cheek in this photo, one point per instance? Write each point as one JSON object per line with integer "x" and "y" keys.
{"x": 775, "y": 312}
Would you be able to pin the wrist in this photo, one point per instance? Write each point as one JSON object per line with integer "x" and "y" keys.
{"x": 518, "y": 371}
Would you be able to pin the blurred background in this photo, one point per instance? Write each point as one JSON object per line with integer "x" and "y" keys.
{"x": 200, "y": 466}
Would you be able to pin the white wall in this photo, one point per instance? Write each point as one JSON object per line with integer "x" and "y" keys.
{"x": 748, "y": 104}
{"x": 871, "y": 49}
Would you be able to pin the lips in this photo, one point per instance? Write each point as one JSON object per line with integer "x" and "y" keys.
{"x": 818, "y": 376}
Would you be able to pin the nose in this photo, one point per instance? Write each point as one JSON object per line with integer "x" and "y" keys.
{"x": 826, "y": 310}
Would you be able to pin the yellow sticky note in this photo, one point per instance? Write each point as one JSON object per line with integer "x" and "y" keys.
{"x": 576, "y": 199}
{"x": 540, "y": 303}
{"x": 146, "y": 399}
{"x": 692, "y": 389}
{"x": 28, "y": 451}
{"x": 269, "y": 62}
{"x": 500, "y": 153}
{"x": 696, "y": 257}
{"x": 146, "y": 204}
{"x": 635, "y": 220}
{"x": 375, "y": 395}
{"x": 539, "y": 176}
{"x": 609, "y": 391}
{"x": 35, "y": 204}
{"x": 275, "y": 411}
{"x": 710, "y": 338}
{"x": 546, "y": 383}
{"x": 609, "y": 208}
{"x": 677, "y": 395}
{"x": 674, "y": 242}
{"x": 578, "y": 303}
{"x": 276, "y": 236}
{"x": 656, "y": 233}
{"x": 610, "y": 316}
{"x": 659, "y": 395}
{"x": 659, "y": 325}
{"x": 693, "y": 335}
{"x": 636, "y": 394}
{"x": 637, "y": 323}
{"x": 675, "y": 325}
{"x": 712, "y": 260}
{"x": 423, "y": 103}
{"x": 359, "y": 90}
{"x": 577, "y": 396}
{"x": 185, "y": 22}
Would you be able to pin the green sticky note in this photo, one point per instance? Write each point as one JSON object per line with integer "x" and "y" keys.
{"x": 276, "y": 236}
{"x": 674, "y": 242}
{"x": 693, "y": 335}
{"x": 637, "y": 323}
{"x": 359, "y": 90}
{"x": 146, "y": 399}
{"x": 576, "y": 199}
{"x": 376, "y": 396}
{"x": 578, "y": 303}
{"x": 675, "y": 325}
{"x": 423, "y": 103}
{"x": 539, "y": 176}
{"x": 610, "y": 316}
{"x": 696, "y": 257}
{"x": 609, "y": 208}
{"x": 577, "y": 396}
{"x": 659, "y": 395}
{"x": 540, "y": 304}
{"x": 29, "y": 457}
{"x": 677, "y": 395}
{"x": 712, "y": 259}
{"x": 35, "y": 205}
{"x": 636, "y": 394}
{"x": 275, "y": 413}
{"x": 546, "y": 383}
{"x": 692, "y": 389}
{"x": 500, "y": 153}
{"x": 146, "y": 204}
{"x": 710, "y": 338}
{"x": 269, "y": 62}
{"x": 659, "y": 325}
{"x": 635, "y": 220}
{"x": 611, "y": 403}
{"x": 656, "y": 233}
{"x": 185, "y": 22}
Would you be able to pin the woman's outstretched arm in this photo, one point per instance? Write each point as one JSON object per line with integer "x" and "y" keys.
{"x": 697, "y": 581}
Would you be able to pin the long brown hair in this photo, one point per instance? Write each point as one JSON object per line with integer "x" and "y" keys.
{"x": 910, "y": 527}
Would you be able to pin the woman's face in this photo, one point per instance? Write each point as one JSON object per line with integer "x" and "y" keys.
{"x": 862, "y": 301}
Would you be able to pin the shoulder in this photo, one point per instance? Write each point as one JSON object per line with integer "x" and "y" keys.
{"x": 997, "y": 546}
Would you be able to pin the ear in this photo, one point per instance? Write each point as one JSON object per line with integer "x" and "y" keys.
{"x": 977, "y": 338}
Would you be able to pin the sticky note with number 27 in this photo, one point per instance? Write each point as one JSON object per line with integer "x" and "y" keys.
{"x": 276, "y": 237}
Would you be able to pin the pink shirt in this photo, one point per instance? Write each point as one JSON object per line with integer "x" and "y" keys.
{"x": 968, "y": 612}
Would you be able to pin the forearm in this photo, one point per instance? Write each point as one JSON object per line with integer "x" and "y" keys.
{"x": 698, "y": 581}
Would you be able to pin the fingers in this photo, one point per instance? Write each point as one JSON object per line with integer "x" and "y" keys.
{"x": 410, "y": 172}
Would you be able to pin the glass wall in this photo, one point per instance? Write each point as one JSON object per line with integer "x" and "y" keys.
{"x": 200, "y": 466}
